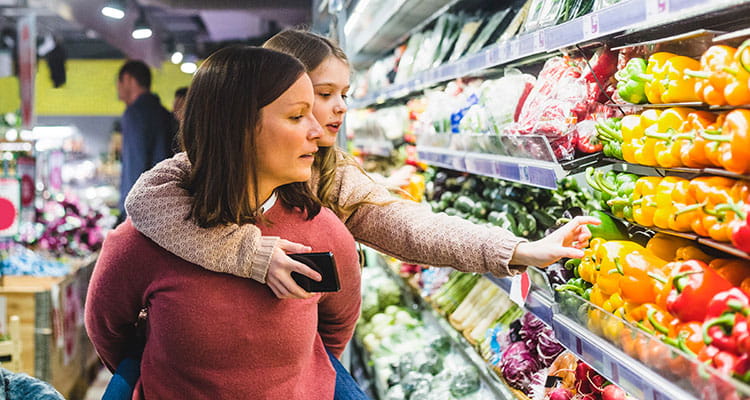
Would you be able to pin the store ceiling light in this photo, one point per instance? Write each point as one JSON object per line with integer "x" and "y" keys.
{"x": 176, "y": 57}
{"x": 188, "y": 67}
{"x": 114, "y": 9}
{"x": 141, "y": 29}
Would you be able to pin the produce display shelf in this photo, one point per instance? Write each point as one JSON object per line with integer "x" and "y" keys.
{"x": 631, "y": 16}
{"x": 537, "y": 302}
{"x": 382, "y": 148}
{"x": 380, "y": 24}
{"x": 695, "y": 105}
{"x": 538, "y": 173}
{"x": 638, "y": 380}
{"x": 708, "y": 242}
{"x": 498, "y": 388}
{"x": 431, "y": 317}
{"x": 620, "y": 165}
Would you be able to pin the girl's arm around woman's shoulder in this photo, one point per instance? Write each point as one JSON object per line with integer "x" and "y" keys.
{"x": 159, "y": 207}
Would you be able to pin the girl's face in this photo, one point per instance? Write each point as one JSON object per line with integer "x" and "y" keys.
{"x": 331, "y": 83}
{"x": 287, "y": 138}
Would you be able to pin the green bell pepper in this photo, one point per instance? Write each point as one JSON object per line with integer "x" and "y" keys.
{"x": 609, "y": 229}
{"x": 631, "y": 83}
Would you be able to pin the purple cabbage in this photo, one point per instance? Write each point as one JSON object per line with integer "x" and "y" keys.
{"x": 519, "y": 366}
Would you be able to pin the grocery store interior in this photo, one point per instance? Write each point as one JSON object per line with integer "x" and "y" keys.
{"x": 509, "y": 121}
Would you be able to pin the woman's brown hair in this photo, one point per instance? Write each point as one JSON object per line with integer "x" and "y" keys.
{"x": 221, "y": 117}
{"x": 312, "y": 49}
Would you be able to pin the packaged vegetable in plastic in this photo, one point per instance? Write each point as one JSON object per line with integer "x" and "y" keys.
{"x": 504, "y": 98}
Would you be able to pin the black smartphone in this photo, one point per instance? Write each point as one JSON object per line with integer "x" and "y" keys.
{"x": 325, "y": 265}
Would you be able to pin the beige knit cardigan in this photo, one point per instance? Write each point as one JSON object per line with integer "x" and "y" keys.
{"x": 406, "y": 230}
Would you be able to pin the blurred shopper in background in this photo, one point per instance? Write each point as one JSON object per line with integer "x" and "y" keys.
{"x": 148, "y": 129}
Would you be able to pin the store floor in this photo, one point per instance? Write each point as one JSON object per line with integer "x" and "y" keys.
{"x": 96, "y": 390}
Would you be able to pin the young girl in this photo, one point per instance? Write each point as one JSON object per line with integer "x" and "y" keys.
{"x": 411, "y": 232}
{"x": 216, "y": 336}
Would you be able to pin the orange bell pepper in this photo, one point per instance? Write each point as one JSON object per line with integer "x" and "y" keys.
{"x": 735, "y": 154}
{"x": 712, "y": 78}
{"x": 732, "y": 269}
{"x": 692, "y": 149}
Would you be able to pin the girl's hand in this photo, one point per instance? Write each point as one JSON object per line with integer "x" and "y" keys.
{"x": 566, "y": 242}
{"x": 279, "y": 276}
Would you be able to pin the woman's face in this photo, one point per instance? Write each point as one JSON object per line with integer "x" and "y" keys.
{"x": 331, "y": 83}
{"x": 287, "y": 138}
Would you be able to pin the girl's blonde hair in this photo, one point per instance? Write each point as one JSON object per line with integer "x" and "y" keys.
{"x": 312, "y": 49}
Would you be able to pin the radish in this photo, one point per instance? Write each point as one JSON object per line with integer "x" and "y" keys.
{"x": 560, "y": 394}
{"x": 614, "y": 392}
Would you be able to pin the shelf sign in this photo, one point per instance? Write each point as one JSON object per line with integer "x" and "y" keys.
{"x": 590, "y": 25}
{"x": 656, "y": 7}
{"x": 519, "y": 288}
{"x": 538, "y": 39}
{"x": 515, "y": 48}
{"x": 10, "y": 206}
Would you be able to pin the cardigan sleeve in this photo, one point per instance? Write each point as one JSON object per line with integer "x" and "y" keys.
{"x": 159, "y": 208}
{"x": 411, "y": 232}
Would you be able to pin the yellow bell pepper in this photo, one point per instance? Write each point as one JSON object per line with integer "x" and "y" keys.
{"x": 678, "y": 86}
{"x": 665, "y": 246}
{"x": 655, "y": 70}
{"x": 691, "y": 252}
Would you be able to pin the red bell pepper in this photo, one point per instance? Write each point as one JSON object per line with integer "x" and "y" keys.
{"x": 741, "y": 229}
{"x": 694, "y": 284}
{"x": 734, "y": 300}
{"x": 718, "y": 332}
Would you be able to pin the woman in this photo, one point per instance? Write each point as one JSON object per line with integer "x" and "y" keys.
{"x": 211, "y": 335}
{"x": 405, "y": 230}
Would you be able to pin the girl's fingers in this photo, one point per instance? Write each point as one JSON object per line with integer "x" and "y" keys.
{"x": 292, "y": 247}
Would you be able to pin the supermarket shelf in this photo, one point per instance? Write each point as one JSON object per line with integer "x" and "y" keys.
{"x": 695, "y": 105}
{"x": 620, "y": 165}
{"x": 538, "y": 303}
{"x": 381, "y": 148}
{"x": 386, "y": 22}
{"x": 538, "y": 173}
{"x": 638, "y": 380}
{"x": 488, "y": 377}
{"x": 708, "y": 242}
{"x": 631, "y": 16}
{"x": 431, "y": 317}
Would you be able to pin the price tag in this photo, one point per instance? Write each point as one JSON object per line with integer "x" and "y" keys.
{"x": 476, "y": 62}
{"x": 10, "y": 206}
{"x": 656, "y": 8}
{"x": 590, "y": 25}
{"x": 503, "y": 53}
{"x": 523, "y": 174}
{"x": 494, "y": 56}
{"x": 515, "y": 49}
{"x": 538, "y": 39}
{"x": 519, "y": 288}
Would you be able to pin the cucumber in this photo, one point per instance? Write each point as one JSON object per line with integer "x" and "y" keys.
{"x": 464, "y": 204}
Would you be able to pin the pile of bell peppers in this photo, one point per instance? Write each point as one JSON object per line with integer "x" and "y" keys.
{"x": 659, "y": 80}
{"x": 693, "y": 305}
{"x": 683, "y": 137}
{"x": 720, "y": 77}
{"x": 711, "y": 206}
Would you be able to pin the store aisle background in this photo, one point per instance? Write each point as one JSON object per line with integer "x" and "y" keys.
{"x": 96, "y": 390}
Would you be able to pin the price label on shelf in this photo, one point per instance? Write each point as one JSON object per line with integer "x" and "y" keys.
{"x": 656, "y": 8}
{"x": 515, "y": 48}
{"x": 538, "y": 38}
{"x": 590, "y": 25}
{"x": 519, "y": 288}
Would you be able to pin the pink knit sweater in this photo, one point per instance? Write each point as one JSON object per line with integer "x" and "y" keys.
{"x": 406, "y": 230}
{"x": 216, "y": 336}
